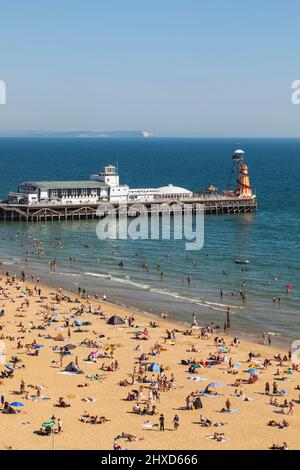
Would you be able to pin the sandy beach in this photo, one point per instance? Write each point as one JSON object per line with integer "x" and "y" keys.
{"x": 39, "y": 322}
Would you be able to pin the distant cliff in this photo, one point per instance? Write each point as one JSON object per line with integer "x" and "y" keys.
{"x": 78, "y": 134}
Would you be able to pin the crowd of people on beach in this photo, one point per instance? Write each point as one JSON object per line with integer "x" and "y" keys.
{"x": 64, "y": 322}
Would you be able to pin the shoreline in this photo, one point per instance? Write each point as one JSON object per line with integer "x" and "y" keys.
{"x": 278, "y": 341}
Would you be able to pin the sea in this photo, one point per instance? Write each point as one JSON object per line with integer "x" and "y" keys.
{"x": 269, "y": 238}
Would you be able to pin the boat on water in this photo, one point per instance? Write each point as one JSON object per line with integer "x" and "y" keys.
{"x": 242, "y": 261}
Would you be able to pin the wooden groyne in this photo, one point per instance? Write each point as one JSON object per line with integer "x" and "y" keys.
{"x": 39, "y": 213}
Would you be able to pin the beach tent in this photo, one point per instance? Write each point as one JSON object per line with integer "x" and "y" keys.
{"x": 59, "y": 337}
{"x": 115, "y": 320}
{"x": 154, "y": 367}
{"x": 72, "y": 367}
{"x": 184, "y": 362}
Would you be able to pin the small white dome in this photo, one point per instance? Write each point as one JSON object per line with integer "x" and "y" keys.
{"x": 170, "y": 189}
{"x": 239, "y": 151}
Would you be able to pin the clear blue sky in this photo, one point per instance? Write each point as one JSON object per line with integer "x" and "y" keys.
{"x": 176, "y": 67}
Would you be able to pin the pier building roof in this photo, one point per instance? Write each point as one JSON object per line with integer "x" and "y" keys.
{"x": 70, "y": 184}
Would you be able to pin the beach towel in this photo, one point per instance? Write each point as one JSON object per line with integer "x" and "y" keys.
{"x": 196, "y": 379}
{"x": 211, "y": 436}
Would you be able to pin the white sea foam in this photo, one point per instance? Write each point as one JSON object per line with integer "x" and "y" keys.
{"x": 201, "y": 302}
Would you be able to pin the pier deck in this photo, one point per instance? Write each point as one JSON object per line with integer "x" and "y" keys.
{"x": 40, "y": 212}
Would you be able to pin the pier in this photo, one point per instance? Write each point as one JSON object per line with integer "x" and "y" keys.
{"x": 37, "y": 201}
{"x": 51, "y": 212}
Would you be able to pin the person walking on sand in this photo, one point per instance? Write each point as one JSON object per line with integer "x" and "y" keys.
{"x": 291, "y": 406}
{"x": 59, "y": 426}
{"x": 161, "y": 422}
{"x": 228, "y": 317}
{"x": 176, "y": 422}
{"x": 22, "y": 387}
{"x": 267, "y": 388}
{"x": 228, "y": 405}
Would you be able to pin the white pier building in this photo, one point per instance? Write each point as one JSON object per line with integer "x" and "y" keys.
{"x": 102, "y": 187}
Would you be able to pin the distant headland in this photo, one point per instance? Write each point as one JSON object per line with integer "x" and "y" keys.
{"x": 82, "y": 134}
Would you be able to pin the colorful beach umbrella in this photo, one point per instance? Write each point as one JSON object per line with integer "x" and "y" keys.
{"x": 214, "y": 385}
{"x": 16, "y": 404}
{"x": 48, "y": 424}
{"x": 38, "y": 346}
{"x": 252, "y": 371}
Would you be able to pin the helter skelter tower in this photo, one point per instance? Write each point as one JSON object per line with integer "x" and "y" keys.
{"x": 243, "y": 188}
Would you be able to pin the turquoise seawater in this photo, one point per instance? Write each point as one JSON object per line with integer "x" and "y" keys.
{"x": 270, "y": 238}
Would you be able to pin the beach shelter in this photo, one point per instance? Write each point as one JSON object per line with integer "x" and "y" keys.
{"x": 154, "y": 367}
{"x": 115, "y": 320}
{"x": 198, "y": 403}
{"x": 72, "y": 367}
